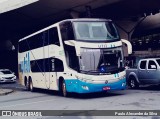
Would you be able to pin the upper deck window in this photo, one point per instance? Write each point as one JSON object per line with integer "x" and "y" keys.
{"x": 95, "y": 31}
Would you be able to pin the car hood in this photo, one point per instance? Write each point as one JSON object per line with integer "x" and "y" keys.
{"x": 7, "y": 75}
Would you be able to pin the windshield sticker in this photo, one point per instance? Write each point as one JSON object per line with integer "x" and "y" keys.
{"x": 116, "y": 75}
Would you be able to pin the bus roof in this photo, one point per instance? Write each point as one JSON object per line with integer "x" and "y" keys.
{"x": 84, "y": 19}
{"x": 72, "y": 20}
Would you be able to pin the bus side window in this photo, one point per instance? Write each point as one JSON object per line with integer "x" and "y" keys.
{"x": 67, "y": 31}
{"x": 58, "y": 65}
{"x": 36, "y": 41}
{"x": 53, "y": 36}
{"x": 23, "y": 46}
{"x": 37, "y": 65}
{"x": 45, "y": 38}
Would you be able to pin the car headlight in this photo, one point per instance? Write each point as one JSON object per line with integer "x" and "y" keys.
{"x": 1, "y": 78}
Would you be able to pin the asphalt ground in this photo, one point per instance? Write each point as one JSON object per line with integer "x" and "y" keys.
{"x": 144, "y": 98}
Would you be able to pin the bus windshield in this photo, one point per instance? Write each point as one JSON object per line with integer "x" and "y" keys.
{"x": 95, "y": 31}
{"x": 101, "y": 61}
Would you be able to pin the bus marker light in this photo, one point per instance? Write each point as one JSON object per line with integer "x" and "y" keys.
{"x": 123, "y": 84}
{"x": 85, "y": 87}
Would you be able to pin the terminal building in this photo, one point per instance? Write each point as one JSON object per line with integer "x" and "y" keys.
{"x": 137, "y": 21}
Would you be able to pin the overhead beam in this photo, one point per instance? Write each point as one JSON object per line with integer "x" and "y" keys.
{"x": 8, "y": 5}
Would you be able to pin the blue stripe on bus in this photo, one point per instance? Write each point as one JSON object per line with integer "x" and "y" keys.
{"x": 75, "y": 85}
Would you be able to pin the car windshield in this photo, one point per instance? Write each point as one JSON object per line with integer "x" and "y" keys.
{"x": 101, "y": 60}
{"x": 158, "y": 60}
{"x": 6, "y": 72}
{"x": 95, "y": 31}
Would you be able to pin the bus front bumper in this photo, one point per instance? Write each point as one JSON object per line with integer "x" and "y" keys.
{"x": 79, "y": 86}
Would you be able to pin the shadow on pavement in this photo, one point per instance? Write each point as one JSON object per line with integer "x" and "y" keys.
{"x": 148, "y": 88}
{"x": 18, "y": 87}
{"x": 81, "y": 96}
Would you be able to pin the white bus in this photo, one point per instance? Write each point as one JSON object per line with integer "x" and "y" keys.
{"x": 74, "y": 55}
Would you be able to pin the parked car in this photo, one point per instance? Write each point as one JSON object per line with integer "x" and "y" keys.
{"x": 147, "y": 72}
{"x": 7, "y": 75}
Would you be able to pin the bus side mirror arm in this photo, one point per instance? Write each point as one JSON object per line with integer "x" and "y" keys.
{"x": 129, "y": 46}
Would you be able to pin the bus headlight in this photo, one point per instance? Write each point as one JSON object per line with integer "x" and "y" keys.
{"x": 121, "y": 78}
{"x": 84, "y": 79}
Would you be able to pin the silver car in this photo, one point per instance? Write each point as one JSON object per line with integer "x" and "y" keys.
{"x": 147, "y": 72}
{"x": 7, "y": 76}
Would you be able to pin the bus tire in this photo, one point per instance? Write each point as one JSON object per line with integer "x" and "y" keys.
{"x": 31, "y": 87}
{"x": 62, "y": 87}
{"x": 64, "y": 91}
{"x": 26, "y": 83}
{"x": 133, "y": 82}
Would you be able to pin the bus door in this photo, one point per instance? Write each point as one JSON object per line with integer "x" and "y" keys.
{"x": 53, "y": 60}
{"x": 50, "y": 74}
{"x": 53, "y": 74}
{"x": 46, "y": 60}
{"x": 50, "y": 71}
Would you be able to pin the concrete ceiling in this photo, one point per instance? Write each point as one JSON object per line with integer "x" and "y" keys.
{"x": 8, "y": 5}
{"x": 42, "y": 13}
{"x": 20, "y": 22}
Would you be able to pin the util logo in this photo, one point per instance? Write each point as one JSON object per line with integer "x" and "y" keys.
{"x": 25, "y": 64}
{"x": 106, "y": 45}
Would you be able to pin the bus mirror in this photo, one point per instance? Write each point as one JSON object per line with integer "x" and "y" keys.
{"x": 129, "y": 46}
{"x": 70, "y": 43}
{"x": 73, "y": 43}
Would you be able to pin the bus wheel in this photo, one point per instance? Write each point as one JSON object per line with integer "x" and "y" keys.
{"x": 64, "y": 91}
{"x": 27, "y": 84}
{"x": 133, "y": 82}
{"x": 31, "y": 85}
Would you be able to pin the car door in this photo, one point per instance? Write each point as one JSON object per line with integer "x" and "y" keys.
{"x": 152, "y": 72}
{"x": 142, "y": 71}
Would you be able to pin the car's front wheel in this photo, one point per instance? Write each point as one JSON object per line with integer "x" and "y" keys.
{"x": 133, "y": 82}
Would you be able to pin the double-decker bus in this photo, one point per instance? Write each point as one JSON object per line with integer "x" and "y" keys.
{"x": 74, "y": 55}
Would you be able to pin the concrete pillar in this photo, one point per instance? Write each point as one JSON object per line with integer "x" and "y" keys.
{"x": 127, "y": 27}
